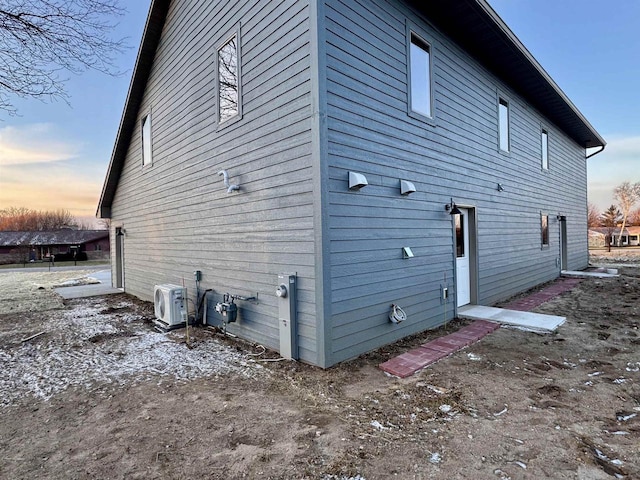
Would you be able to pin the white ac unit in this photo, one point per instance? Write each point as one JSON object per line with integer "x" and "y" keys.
{"x": 170, "y": 304}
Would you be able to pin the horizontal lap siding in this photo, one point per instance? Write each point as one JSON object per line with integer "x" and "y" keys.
{"x": 177, "y": 214}
{"x": 369, "y": 131}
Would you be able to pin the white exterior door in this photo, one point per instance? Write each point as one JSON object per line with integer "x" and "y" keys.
{"x": 463, "y": 274}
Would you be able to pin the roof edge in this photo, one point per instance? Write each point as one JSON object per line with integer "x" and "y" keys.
{"x": 493, "y": 15}
{"x": 142, "y": 68}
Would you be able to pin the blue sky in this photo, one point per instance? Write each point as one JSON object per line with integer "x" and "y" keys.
{"x": 55, "y": 156}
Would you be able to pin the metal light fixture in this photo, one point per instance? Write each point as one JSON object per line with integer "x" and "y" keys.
{"x": 452, "y": 208}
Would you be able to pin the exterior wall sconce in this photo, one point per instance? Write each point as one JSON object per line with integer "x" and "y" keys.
{"x": 452, "y": 208}
{"x": 406, "y": 252}
{"x": 406, "y": 187}
{"x": 357, "y": 181}
{"x": 500, "y": 188}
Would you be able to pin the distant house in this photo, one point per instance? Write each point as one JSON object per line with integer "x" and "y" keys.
{"x": 16, "y": 247}
{"x": 598, "y": 237}
{"x": 377, "y": 152}
{"x": 630, "y": 236}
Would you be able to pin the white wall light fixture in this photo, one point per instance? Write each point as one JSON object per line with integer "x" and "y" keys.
{"x": 357, "y": 181}
{"x": 406, "y": 187}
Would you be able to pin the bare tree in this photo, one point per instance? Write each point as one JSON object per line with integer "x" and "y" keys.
{"x": 634, "y": 217}
{"x": 609, "y": 219}
{"x": 24, "y": 219}
{"x": 40, "y": 40}
{"x": 104, "y": 223}
{"x": 626, "y": 194}
{"x": 593, "y": 215}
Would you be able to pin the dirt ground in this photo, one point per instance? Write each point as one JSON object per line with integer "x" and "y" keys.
{"x": 100, "y": 394}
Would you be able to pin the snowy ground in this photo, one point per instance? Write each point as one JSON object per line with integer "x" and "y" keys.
{"x": 33, "y": 291}
{"x": 101, "y": 343}
{"x": 101, "y": 394}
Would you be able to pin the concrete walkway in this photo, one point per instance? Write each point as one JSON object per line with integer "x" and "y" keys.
{"x": 487, "y": 320}
{"x": 92, "y": 290}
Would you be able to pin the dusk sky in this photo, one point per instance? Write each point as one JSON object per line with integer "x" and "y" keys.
{"x": 55, "y": 156}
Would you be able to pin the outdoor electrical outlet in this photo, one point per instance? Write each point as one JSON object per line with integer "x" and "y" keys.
{"x": 445, "y": 293}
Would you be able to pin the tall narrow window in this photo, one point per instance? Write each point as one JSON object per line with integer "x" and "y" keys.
{"x": 420, "y": 62}
{"x": 544, "y": 230}
{"x": 146, "y": 140}
{"x": 545, "y": 150}
{"x": 503, "y": 124}
{"x": 228, "y": 80}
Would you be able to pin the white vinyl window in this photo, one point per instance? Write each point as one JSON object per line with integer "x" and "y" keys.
{"x": 545, "y": 149}
{"x": 420, "y": 76}
{"x": 147, "y": 158}
{"x": 544, "y": 230}
{"x": 503, "y": 124}
{"x": 228, "y": 80}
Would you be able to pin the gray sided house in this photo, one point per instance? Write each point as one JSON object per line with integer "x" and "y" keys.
{"x": 474, "y": 162}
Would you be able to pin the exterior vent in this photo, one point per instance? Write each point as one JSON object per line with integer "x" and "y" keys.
{"x": 169, "y": 304}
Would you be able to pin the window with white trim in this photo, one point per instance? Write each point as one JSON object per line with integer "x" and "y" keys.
{"x": 544, "y": 230}
{"x": 420, "y": 76}
{"x": 228, "y": 80}
{"x": 147, "y": 158}
{"x": 544, "y": 138}
{"x": 503, "y": 124}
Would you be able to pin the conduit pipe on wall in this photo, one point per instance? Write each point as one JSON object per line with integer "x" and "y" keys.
{"x": 225, "y": 178}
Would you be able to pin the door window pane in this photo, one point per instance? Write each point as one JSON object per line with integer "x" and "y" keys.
{"x": 460, "y": 235}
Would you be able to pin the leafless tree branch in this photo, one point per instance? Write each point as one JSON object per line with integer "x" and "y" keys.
{"x": 42, "y": 40}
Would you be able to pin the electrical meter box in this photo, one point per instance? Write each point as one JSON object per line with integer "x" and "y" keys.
{"x": 287, "y": 313}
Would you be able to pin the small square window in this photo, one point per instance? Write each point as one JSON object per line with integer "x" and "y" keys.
{"x": 545, "y": 150}
{"x": 228, "y": 80}
{"x": 146, "y": 141}
{"x": 420, "y": 76}
{"x": 544, "y": 230}
{"x": 503, "y": 124}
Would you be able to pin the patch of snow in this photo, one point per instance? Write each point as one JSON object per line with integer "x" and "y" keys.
{"x": 633, "y": 367}
{"x": 473, "y": 357}
{"x": 594, "y": 374}
{"x": 620, "y": 380}
{"x": 377, "y": 425}
{"x": 86, "y": 345}
{"x": 435, "y": 458}
{"x": 445, "y": 408}
{"x": 343, "y": 477}
{"x": 626, "y": 418}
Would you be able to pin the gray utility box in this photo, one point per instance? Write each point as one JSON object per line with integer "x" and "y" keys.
{"x": 286, "y": 293}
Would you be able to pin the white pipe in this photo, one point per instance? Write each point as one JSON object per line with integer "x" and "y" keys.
{"x": 225, "y": 179}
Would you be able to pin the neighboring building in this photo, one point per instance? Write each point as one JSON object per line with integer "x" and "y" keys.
{"x": 598, "y": 237}
{"x": 17, "y": 247}
{"x": 293, "y": 99}
{"x": 630, "y": 236}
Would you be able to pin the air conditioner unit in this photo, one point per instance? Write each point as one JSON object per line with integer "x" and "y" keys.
{"x": 170, "y": 304}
